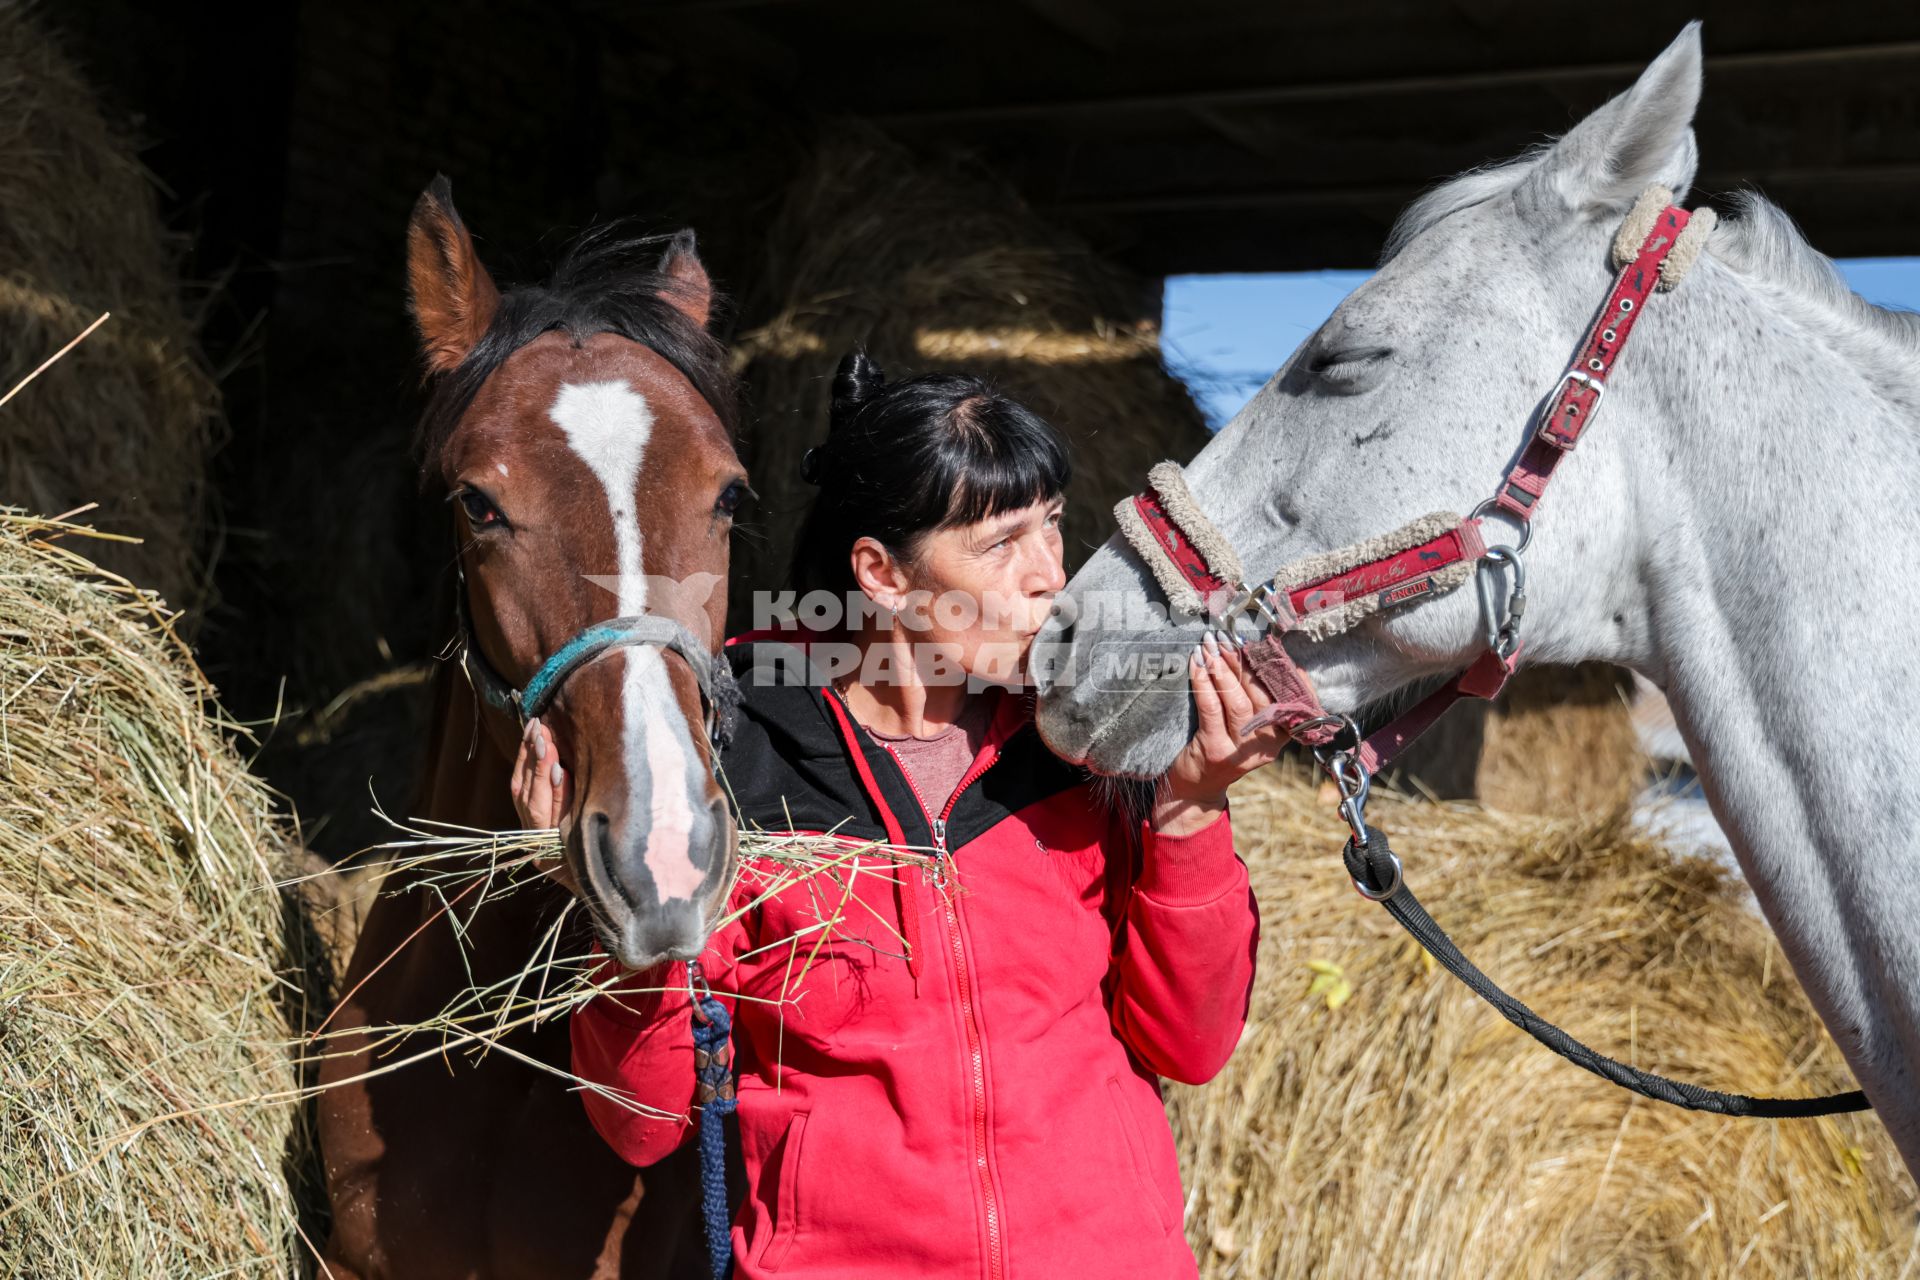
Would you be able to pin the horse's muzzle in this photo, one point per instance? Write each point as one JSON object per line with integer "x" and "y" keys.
{"x": 650, "y": 907}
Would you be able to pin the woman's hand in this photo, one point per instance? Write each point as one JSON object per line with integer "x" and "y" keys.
{"x": 541, "y": 788}
{"x": 1227, "y": 695}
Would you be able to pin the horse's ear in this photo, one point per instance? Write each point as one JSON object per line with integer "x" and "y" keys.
{"x": 1642, "y": 137}
{"x": 688, "y": 289}
{"x": 453, "y": 297}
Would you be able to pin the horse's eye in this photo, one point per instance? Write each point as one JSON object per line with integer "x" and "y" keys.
{"x": 481, "y": 513}
{"x": 730, "y": 498}
{"x": 1347, "y": 361}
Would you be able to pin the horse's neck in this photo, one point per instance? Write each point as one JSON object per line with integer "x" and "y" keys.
{"x": 1772, "y": 494}
{"x": 465, "y": 778}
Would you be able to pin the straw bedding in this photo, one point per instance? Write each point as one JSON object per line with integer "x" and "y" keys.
{"x": 127, "y": 419}
{"x": 1378, "y": 1120}
{"x": 147, "y": 960}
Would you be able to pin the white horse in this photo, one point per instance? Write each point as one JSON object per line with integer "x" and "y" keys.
{"x": 1739, "y": 526}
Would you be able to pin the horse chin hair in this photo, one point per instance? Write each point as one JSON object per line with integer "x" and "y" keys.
{"x": 1132, "y": 797}
{"x": 1375, "y": 712}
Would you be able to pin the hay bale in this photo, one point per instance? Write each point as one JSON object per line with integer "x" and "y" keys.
{"x": 149, "y": 964}
{"x": 1412, "y": 1132}
{"x": 1559, "y": 741}
{"x": 126, "y": 419}
{"x": 934, "y": 266}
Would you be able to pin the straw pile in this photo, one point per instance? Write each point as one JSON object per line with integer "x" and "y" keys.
{"x": 934, "y": 266}
{"x": 145, "y": 1007}
{"x": 1559, "y": 741}
{"x": 1378, "y": 1120}
{"x": 125, "y": 420}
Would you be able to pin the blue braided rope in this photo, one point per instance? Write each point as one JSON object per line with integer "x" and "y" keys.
{"x": 714, "y": 1090}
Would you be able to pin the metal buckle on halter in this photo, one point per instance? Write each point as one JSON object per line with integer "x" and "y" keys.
{"x": 1257, "y": 599}
{"x": 1565, "y": 441}
{"x": 1592, "y": 383}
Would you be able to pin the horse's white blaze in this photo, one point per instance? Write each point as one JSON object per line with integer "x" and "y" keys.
{"x": 608, "y": 424}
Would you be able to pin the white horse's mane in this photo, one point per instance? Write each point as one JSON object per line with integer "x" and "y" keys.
{"x": 1475, "y": 186}
{"x": 1758, "y": 239}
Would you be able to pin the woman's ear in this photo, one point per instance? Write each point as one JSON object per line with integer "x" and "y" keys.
{"x": 880, "y": 574}
{"x": 454, "y": 299}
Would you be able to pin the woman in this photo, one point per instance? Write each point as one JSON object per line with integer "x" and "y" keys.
{"x": 955, "y": 1075}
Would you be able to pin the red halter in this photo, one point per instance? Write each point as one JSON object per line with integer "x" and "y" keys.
{"x": 1404, "y": 574}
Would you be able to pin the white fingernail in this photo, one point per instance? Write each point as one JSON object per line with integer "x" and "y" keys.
{"x": 555, "y": 774}
{"x": 539, "y": 746}
{"x": 533, "y": 726}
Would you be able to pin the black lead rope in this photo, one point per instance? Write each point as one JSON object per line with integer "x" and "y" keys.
{"x": 1378, "y": 873}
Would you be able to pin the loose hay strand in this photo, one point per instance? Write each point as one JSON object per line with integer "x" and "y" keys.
{"x": 455, "y": 863}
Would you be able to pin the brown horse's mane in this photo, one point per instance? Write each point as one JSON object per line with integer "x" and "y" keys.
{"x": 608, "y": 280}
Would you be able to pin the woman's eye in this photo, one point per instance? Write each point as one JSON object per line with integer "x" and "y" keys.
{"x": 481, "y": 513}
{"x": 730, "y": 498}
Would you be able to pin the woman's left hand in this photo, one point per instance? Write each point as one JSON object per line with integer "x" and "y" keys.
{"x": 1227, "y": 695}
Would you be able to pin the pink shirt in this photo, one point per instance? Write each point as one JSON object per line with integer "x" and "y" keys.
{"x": 935, "y": 765}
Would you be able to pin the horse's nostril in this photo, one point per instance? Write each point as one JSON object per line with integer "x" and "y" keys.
{"x": 598, "y": 836}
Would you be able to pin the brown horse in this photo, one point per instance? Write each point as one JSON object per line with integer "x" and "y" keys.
{"x": 582, "y": 430}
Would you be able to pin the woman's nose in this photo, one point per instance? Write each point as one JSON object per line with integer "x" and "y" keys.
{"x": 1048, "y": 575}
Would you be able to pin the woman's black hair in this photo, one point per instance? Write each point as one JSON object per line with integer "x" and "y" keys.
{"x": 903, "y": 459}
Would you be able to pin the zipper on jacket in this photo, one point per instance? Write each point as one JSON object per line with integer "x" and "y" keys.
{"x": 969, "y": 1016}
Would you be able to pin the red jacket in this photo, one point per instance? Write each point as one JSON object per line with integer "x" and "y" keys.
{"x": 991, "y": 1109}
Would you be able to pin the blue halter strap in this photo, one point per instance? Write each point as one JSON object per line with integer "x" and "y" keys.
{"x": 651, "y": 629}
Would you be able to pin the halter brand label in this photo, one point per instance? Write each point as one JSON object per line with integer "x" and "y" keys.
{"x": 1405, "y": 592}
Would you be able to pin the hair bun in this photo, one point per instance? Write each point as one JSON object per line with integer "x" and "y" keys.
{"x": 857, "y": 381}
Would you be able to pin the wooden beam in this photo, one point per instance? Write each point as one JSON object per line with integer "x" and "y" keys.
{"x": 1083, "y": 20}
{"x": 1401, "y": 193}
{"x": 1347, "y": 90}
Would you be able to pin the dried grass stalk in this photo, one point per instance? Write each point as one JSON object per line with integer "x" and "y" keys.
{"x": 148, "y": 966}
{"x": 465, "y": 868}
{"x": 1377, "y": 1119}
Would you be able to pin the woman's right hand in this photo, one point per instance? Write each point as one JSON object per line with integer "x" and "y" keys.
{"x": 541, "y": 787}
